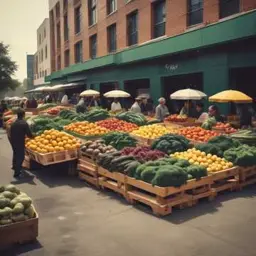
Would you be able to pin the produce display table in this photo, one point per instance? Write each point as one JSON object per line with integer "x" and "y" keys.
{"x": 53, "y": 158}
{"x": 19, "y": 232}
{"x": 34, "y": 111}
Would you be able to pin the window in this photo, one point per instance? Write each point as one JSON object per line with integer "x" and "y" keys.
{"x": 159, "y": 19}
{"x": 57, "y": 10}
{"x": 59, "y": 62}
{"x": 228, "y": 7}
{"x": 44, "y": 33}
{"x": 42, "y": 55}
{"x": 93, "y": 46}
{"x": 111, "y": 6}
{"x": 39, "y": 39}
{"x": 92, "y": 8}
{"x": 79, "y": 52}
{"x": 111, "y": 31}
{"x": 58, "y": 35}
{"x": 66, "y": 58}
{"x": 65, "y": 5}
{"x": 195, "y": 12}
{"x": 66, "y": 35}
{"x": 45, "y": 52}
{"x": 78, "y": 20}
{"x": 45, "y": 73}
{"x": 132, "y": 28}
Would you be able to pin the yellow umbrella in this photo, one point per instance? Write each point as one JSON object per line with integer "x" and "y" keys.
{"x": 230, "y": 96}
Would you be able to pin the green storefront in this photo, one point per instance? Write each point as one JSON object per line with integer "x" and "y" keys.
{"x": 212, "y": 59}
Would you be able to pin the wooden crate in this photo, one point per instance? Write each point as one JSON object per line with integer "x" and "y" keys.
{"x": 247, "y": 176}
{"x": 53, "y": 158}
{"x": 88, "y": 170}
{"x": 112, "y": 180}
{"x": 19, "y": 232}
{"x": 225, "y": 180}
{"x": 26, "y": 162}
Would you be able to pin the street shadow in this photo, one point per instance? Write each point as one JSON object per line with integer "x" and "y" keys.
{"x": 27, "y": 178}
{"x": 19, "y": 249}
{"x": 56, "y": 175}
{"x": 205, "y": 207}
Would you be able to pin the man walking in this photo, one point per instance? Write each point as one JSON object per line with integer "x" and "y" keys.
{"x": 18, "y": 131}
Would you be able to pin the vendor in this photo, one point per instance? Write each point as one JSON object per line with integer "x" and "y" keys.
{"x": 116, "y": 106}
{"x": 81, "y": 106}
{"x": 213, "y": 111}
{"x": 245, "y": 116}
{"x": 186, "y": 109}
{"x": 200, "y": 115}
{"x": 136, "y": 106}
{"x": 144, "y": 106}
{"x": 161, "y": 110}
{"x": 64, "y": 100}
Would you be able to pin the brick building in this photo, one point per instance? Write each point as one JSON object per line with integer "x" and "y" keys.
{"x": 42, "y": 60}
{"x": 157, "y": 46}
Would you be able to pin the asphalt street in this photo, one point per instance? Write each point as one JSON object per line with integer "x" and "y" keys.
{"x": 76, "y": 219}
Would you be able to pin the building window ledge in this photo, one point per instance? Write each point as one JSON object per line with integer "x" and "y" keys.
{"x": 110, "y": 14}
{"x": 93, "y": 25}
{"x": 129, "y": 1}
{"x": 194, "y": 27}
{"x": 78, "y": 33}
{"x": 230, "y": 17}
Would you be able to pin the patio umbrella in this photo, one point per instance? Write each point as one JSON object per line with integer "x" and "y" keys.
{"x": 230, "y": 96}
{"x": 89, "y": 93}
{"x": 117, "y": 94}
{"x": 187, "y": 94}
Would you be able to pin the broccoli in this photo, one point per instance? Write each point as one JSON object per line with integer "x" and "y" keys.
{"x": 182, "y": 163}
{"x": 170, "y": 175}
{"x": 148, "y": 174}
{"x": 213, "y": 149}
{"x": 197, "y": 171}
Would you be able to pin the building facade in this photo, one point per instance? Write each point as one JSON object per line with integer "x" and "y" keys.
{"x": 30, "y": 71}
{"x": 155, "y": 46}
{"x": 42, "y": 59}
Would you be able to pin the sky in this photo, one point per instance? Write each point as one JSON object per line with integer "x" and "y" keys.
{"x": 19, "y": 20}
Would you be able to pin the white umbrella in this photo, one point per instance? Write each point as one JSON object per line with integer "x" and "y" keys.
{"x": 188, "y": 94}
{"x": 117, "y": 94}
{"x": 89, "y": 93}
{"x": 57, "y": 87}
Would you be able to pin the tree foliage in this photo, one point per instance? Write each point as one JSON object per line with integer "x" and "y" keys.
{"x": 7, "y": 69}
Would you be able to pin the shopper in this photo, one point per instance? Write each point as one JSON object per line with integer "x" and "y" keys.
{"x": 73, "y": 99}
{"x": 187, "y": 109}
{"x": 18, "y": 132}
{"x": 136, "y": 106}
{"x": 116, "y": 106}
{"x": 161, "y": 110}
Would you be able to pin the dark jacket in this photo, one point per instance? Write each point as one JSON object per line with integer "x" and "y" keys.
{"x": 18, "y": 132}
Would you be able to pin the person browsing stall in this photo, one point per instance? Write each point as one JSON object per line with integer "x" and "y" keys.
{"x": 136, "y": 106}
{"x": 18, "y": 132}
{"x": 116, "y": 106}
{"x": 161, "y": 110}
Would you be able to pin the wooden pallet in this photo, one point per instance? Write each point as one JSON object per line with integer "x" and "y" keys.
{"x": 247, "y": 176}
{"x": 53, "y": 158}
{"x": 225, "y": 180}
{"x": 19, "y": 232}
{"x": 163, "y": 199}
{"x": 88, "y": 170}
{"x": 114, "y": 181}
